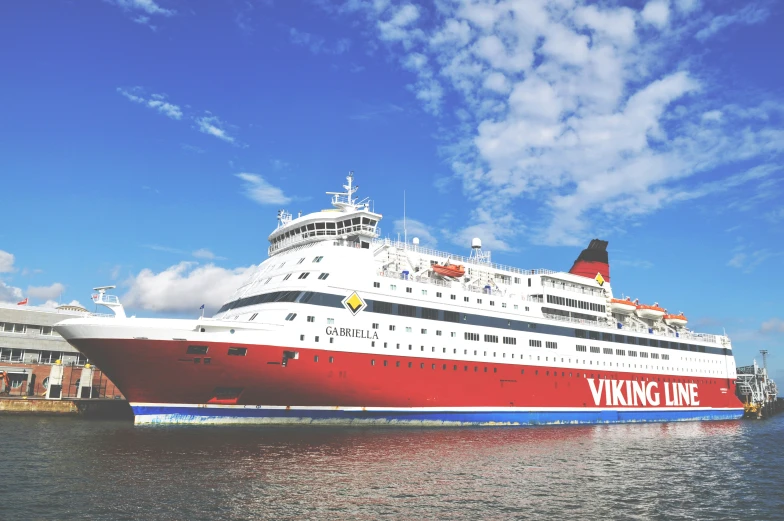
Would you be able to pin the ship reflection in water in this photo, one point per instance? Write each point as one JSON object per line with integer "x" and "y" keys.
{"x": 105, "y": 470}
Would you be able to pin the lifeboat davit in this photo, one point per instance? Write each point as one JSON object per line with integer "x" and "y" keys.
{"x": 622, "y": 306}
{"x": 675, "y": 320}
{"x": 650, "y": 312}
{"x": 449, "y": 270}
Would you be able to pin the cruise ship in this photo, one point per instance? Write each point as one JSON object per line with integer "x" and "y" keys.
{"x": 339, "y": 325}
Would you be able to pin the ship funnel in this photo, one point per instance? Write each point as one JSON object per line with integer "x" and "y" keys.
{"x": 593, "y": 260}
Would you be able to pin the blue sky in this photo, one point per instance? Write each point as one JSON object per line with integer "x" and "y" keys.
{"x": 149, "y": 143}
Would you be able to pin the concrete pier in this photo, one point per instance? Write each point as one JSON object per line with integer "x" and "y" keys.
{"x": 94, "y": 408}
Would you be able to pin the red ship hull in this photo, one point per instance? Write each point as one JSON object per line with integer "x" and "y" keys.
{"x": 164, "y": 383}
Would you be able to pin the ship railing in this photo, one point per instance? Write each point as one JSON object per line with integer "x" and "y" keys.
{"x": 581, "y": 290}
{"x": 577, "y": 320}
{"x": 109, "y": 315}
{"x": 111, "y": 299}
{"x": 459, "y": 259}
{"x": 399, "y": 275}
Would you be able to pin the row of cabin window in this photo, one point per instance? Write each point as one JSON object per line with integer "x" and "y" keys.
{"x": 574, "y": 303}
{"x": 302, "y": 275}
{"x": 440, "y": 295}
{"x": 510, "y": 340}
{"x": 538, "y": 343}
{"x": 432, "y": 366}
{"x": 651, "y": 342}
{"x": 622, "y": 352}
{"x": 7, "y": 327}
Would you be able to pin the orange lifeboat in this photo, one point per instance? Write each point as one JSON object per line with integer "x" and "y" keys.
{"x": 449, "y": 270}
{"x": 650, "y": 312}
{"x": 622, "y": 306}
{"x": 675, "y": 320}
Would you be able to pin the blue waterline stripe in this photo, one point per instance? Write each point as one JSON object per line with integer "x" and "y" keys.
{"x": 178, "y": 414}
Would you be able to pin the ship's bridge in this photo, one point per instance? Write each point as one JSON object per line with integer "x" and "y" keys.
{"x": 350, "y": 220}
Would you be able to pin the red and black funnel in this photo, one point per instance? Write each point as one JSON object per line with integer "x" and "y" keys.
{"x": 593, "y": 260}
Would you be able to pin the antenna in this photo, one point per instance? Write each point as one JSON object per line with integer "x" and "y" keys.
{"x": 764, "y": 359}
{"x": 405, "y": 231}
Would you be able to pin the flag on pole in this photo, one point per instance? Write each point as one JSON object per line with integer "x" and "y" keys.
{"x": 23, "y": 303}
{"x": 202, "y": 306}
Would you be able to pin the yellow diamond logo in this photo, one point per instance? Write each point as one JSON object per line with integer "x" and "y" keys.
{"x": 599, "y": 279}
{"x": 354, "y": 303}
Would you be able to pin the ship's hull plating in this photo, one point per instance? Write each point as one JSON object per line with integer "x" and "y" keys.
{"x": 164, "y": 384}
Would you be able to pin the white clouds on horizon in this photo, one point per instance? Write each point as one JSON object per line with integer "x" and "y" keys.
{"x": 579, "y": 107}
{"x": 774, "y": 325}
{"x": 46, "y": 292}
{"x": 6, "y": 262}
{"x": 183, "y": 287}
{"x": 258, "y": 189}
{"x": 10, "y": 294}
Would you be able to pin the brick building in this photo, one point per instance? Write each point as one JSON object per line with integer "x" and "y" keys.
{"x": 29, "y": 347}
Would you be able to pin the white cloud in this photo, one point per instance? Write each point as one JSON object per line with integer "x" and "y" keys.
{"x": 184, "y": 287}
{"x": 316, "y": 44}
{"x": 657, "y": 13}
{"x": 774, "y": 325}
{"x": 258, "y": 189}
{"x": 748, "y": 261}
{"x": 748, "y": 15}
{"x": 279, "y": 164}
{"x": 10, "y": 294}
{"x": 213, "y": 126}
{"x": 415, "y": 229}
{"x": 154, "y": 101}
{"x": 54, "y": 303}
{"x": 581, "y": 108}
{"x": 687, "y": 6}
{"x": 6, "y": 262}
{"x": 497, "y": 82}
{"x": 46, "y": 292}
{"x": 737, "y": 261}
{"x": 396, "y": 28}
{"x": 148, "y": 6}
{"x": 204, "y": 253}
